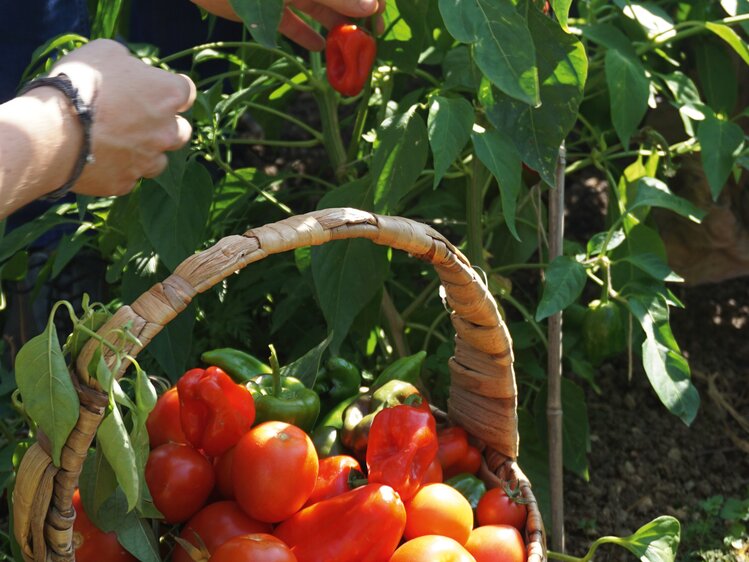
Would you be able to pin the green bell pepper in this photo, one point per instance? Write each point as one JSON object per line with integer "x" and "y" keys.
{"x": 334, "y": 418}
{"x": 337, "y": 380}
{"x": 406, "y": 369}
{"x": 327, "y": 441}
{"x": 358, "y": 416}
{"x": 283, "y": 398}
{"x": 469, "y": 485}
{"x": 239, "y": 365}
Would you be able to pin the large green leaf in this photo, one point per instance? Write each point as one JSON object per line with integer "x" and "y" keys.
{"x": 49, "y": 396}
{"x": 175, "y": 223}
{"x": 97, "y": 483}
{"x": 653, "y": 19}
{"x": 653, "y": 265}
{"x": 347, "y": 275}
{"x": 737, "y": 8}
{"x": 656, "y": 541}
{"x": 501, "y": 158}
{"x": 261, "y": 17}
{"x": 721, "y": 143}
{"x": 562, "y": 11}
{"x": 138, "y": 538}
{"x": 399, "y": 158}
{"x": 565, "y": 280}
{"x": 609, "y": 36}
{"x": 413, "y": 12}
{"x": 629, "y": 89}
{"x": 21, "y": 237}
{"x": 732, "y": 38}
{"x": 717, "y": 76}
{"x": 538, "y": 132}
{"x": 449, "y": 127}
{"x": 459, "y": 69}
{"x": 503, "y": 46}
{"x": 306, "y": 367}
{"x": 652, "y": 192}
{"x": 113, "y": 438}
{"x": 665, "y": 366}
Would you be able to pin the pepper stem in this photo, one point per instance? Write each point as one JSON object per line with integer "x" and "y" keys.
{"x": 275, "y": 371}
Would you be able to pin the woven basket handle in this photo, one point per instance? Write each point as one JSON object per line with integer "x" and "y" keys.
{"x": 483, "y": 393}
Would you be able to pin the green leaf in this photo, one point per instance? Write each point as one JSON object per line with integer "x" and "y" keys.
{"x": 347, "y": 275}
{"x": 652, "y": 18}
{"x": 731, "y": 38}
{"x": 721, "y": 143}
{"x": 565, "y": 280}
{"x": 413, "y": 12}
{"x": 575, "y": 427}
{"x": 137, "y": 537}
{"x": 656, "y": 541}
{"x": 175, "y": 224}
{"x": 113, "y": 438}
{"x": 16, "y": 268}
{"x": 68, "y": 248}
{"x": 306, "y": 367}
{"x": 609, "y": 36}
{"x": 49, "y": 396}
{"x": 261, "y": 17}
{"x": 503, "y": 161}
{"x": 629, "y": 89}
{"x": 503, "y": 45}
{"x": 654, "y": 266}
{"x": 737, "y": 8}
{"x": 171, "y": 346}
{"x": 104, "y": 25}
{"x": 665, "y": 366}
{"x": 654, "y": 193}
{"x": 562, "y": 11}
{"x": 399, "y": 158}
{"x": 98, "y": 483}
{"x": 22, "y": 237}
{"x": 459, "y": 69}
{"x": 449, "y": 127}
{"x": 595, "y": 244}
{"x": 171, "y": 178}
{"x": 562, "y": 69}
{"x": 717, "y": 76}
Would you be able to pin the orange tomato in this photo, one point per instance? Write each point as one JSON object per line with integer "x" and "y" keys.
{"x": 439, "y": 509}
{"x": 496, "y": 543}
{"x": 258, "y": 547}
{"x": 432, "y": 548}
{"x": 274, "y": 471}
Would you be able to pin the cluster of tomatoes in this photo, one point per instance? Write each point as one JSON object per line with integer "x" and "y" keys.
{"x": 262, "y": 492}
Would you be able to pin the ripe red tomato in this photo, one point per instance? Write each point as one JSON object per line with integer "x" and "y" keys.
{"x": 91, "y": 544}
{"x": 439, "y": 509}
{"x": 163, "y": 423}
{"x": 223, "y": 467}
{"x": 496, "y": 543}
{"x": 180, "y": 480}
{"x": 453, "y": 444}
{"x": 432, "y": 548}
{"x": 497, "y": 508}
{"x": 259, "y": 547}
{"x": 274, "y": 471}
{"x": 469, "y": 463}
{"x": 216, "y": 524}
{"x": 333, "y": 477}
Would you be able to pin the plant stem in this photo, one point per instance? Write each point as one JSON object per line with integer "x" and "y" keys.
{"x": 269, "y": 142}
{"x": 361, "y": 119}
{"x": 527, "y": 316}
{"x": 327, "y": 102}
{"x": 474, "y": 213}
{"x": 395, "y": 324}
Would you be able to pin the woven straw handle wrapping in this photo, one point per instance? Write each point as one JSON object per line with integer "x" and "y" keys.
{"x": 483, "y": 394}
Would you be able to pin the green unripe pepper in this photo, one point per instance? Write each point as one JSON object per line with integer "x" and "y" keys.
{"x": 337, "y": 380}
{"x": 239, "y": 365}
{"x": 469, "y": 485}
{"x": 603, "y": 331}
{"x": 327, "y": 441}
{"x": 283, "y": 398}
{"x": 334, "y": 418}
{"x": 358, "y": 416}
{"x": 407, "y": 369}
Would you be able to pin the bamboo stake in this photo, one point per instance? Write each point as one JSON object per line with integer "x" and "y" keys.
{"x": 554, "y": 399}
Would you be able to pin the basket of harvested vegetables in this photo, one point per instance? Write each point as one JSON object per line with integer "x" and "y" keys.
{"x": 411, "y": 482}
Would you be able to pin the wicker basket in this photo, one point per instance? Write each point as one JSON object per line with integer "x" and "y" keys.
{"x": 483, "y": 395}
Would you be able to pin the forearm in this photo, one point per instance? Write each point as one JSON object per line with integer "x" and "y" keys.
{"x": 40, "y": 139}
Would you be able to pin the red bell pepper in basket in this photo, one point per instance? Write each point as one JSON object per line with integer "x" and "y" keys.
{"x": 214, "y": 410}
{"x": 349, "y": 54}
{"x": 402, "y": 444}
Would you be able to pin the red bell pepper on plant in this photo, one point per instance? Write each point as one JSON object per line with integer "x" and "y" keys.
{"x": 402, "y": 444}
{"x": 361, "y": 525}
{"x": 214, "y": 410}
{"x": 349, "y": 54}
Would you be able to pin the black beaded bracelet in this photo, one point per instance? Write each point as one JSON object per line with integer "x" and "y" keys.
{"x": 85, "y": 113}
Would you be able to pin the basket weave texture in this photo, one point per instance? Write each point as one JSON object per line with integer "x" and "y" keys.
{"x": 483, "y": 393}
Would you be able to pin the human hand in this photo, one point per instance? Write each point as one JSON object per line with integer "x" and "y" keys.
{"x": 135, "y": 115}
{"x": 328, "y": 12}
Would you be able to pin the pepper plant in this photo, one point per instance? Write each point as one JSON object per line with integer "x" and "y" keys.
{"x": 458, "y": 124}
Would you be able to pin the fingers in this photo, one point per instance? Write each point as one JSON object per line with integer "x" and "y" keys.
{"x": 156, "y": 166}
{"x": 191, "y": 92}
{"x": 350, "y": 8}
{"x": 293, "y": 27}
